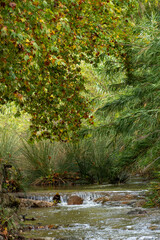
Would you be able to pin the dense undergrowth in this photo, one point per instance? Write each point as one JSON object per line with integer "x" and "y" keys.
{"x": 154, "y": 193}
{"x": 45, "y": 163}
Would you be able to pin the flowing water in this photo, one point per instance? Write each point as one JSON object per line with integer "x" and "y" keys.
{"x": 91, "y": 220}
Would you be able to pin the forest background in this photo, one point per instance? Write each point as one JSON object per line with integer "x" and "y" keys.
{"x": 79, "y": 91}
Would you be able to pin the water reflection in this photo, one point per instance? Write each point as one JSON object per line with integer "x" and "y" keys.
{"x": 105, "y": 187}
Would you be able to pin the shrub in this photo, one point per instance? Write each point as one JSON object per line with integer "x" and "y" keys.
{"x": 154, "y": 194}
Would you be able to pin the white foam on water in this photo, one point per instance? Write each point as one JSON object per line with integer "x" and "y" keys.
{"x": 147, "y": 238}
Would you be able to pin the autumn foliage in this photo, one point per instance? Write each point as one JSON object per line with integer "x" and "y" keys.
{"x": 42, "y": 45}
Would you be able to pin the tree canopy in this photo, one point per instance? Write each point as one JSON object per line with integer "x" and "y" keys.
{"x": 42, "y": 45}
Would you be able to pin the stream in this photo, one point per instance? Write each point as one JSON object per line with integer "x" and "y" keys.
{"x": 112, "y": 220}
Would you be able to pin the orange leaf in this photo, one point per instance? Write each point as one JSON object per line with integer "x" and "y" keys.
{"x": 5, "y": 232}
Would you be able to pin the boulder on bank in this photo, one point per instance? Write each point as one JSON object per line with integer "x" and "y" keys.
{"x": 75, "y": 200}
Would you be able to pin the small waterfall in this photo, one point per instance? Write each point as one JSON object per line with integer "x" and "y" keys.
{"x": 64, "y": 198}
{"x": 89, "y": 197}
{"x": 86, "y": 196}
{"x": 40, "y": 198}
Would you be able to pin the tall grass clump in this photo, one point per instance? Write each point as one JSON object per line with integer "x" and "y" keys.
{"x": 92, "y": 159}
{"x": 40, "y": 158}
{"x": 9, "y": 147}
{"x": 99, "y": 158}
{"x": 76, "y": 159}
{"x": 10, "y": 176}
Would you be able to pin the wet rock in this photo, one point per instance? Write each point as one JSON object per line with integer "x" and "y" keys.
{"x": 136, "y": 211}
{"x": 75, "y": 200}
{"x": 140, "y": 203}
{"x": 126, "y": 203}
{"x": 52, "y": 226}
{"x": 153, "y": 227}
{"x": 35, "y": 203}
{"x": 117, "y": 198}
{"x": 102, "y": 199}
{"x": 132, "y": 203}
{"x": 24, "y": 218}
{"x": 128, "y": 199}
{"x": 40, "y": 227}
{"x": 57, "y": 198}
{"x": 122, "y": 197}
